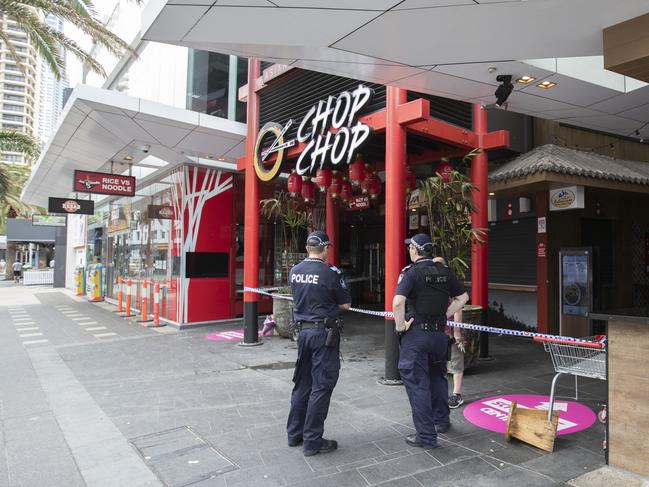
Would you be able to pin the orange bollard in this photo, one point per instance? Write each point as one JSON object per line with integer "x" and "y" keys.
{"x": 145, "y": 299}
{"x": 120, "y": 294}
{"x": 129, "y": 295}
{"x": 156, "y": 303}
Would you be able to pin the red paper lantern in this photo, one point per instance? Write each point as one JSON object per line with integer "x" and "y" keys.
{"x": 308, "y": 191}
{"x": 411, "y": 180}
{"x": 367, "y": 182}
{"x": 294, "y": 183}
{"x": 323, "y": 179}
{"x": 444, "y": 169}
{"x": 357, "y": 171}
{"x": 346, "y": 191}
{"x": 375, "y": 187}
{"x": 336, "y": 184}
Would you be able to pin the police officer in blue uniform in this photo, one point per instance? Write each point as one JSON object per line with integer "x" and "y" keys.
{"x": 319, "y": 293}
{"x": 421, "y": 307}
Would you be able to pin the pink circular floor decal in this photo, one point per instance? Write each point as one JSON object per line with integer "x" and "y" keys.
{"x": 226, "y": 336}
{"x": 491, "y": 413}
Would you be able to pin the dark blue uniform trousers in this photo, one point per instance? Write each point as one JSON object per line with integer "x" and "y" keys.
{"x": 316, "y": 373}
{"x": 422, "y": 364}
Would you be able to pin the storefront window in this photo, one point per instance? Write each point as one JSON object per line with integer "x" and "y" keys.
{"x": 135, "y": 238}
{"x": 208, "y": 83}
{"x": 213, "y": 82}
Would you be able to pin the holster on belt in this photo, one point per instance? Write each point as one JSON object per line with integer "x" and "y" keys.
{"x": 334, "y": 327}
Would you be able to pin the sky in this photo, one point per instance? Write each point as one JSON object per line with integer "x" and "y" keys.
{"x": 74, "y": 67}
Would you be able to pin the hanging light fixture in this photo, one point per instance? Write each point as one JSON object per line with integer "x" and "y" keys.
{"x": 294, "y": 184}
{"x": 308, "y": 191}
{"x": 336, "y": 184}
{"x": 375, "y": 186}
{"x": 323, "y": 179}
{"x": 367, "y": 182}
{"x": 357, "y": 171}
{"x": 346, "y": 191}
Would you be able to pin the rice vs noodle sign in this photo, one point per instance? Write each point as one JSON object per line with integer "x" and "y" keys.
{"x": 329, "y": 129}
{"x": 103, "y": 183}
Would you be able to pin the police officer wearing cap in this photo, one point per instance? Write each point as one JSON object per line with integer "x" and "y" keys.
{"x": 319, "y": 293}
{"x": 421, "y": 308}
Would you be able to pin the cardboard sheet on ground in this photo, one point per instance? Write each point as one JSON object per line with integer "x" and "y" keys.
{"x": 491, "y": 413}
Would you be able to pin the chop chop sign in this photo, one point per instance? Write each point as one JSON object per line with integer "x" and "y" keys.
{"x": 327, "y": 129}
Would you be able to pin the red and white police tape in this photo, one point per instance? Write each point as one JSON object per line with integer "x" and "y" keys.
{"x": 269, "y": 291}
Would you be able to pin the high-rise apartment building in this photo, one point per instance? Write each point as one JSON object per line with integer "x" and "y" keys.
{"x": 50, "y": 102}
{"x": 19, "y": 90}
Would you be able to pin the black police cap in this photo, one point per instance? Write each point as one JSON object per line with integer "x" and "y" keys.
{"x": 317, "y": 239}
{"x": 421, "y": 241}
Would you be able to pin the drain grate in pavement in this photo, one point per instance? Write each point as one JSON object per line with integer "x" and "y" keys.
{"x": 273, "y": 366}
{"x": 180, "y": 457}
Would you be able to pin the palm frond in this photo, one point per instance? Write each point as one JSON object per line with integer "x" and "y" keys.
{"x": 51, "y": 43}
{"x": 12, "y": 50}
{"x": 11, "y": 141}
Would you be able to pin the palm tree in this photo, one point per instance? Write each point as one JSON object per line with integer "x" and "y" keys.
{"x": 11, "y": 141}
{"x": 52, "y": 44}
{"x": 12, "y": 179}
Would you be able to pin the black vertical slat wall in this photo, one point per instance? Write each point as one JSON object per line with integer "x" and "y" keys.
{"x": 293, "y": 95}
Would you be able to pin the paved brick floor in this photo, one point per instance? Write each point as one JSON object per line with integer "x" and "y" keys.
{"x": 177, "y": 407}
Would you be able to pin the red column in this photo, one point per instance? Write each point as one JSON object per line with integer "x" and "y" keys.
{"x": 332, "y": 230}
{"x": 395, "y": 219}
{"x": 479, "y": 219}
{"x": 251, "y": 213}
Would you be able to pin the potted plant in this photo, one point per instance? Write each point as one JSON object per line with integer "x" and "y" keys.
{"x": 294, "y": 220}
{"x": 449, "y": 206}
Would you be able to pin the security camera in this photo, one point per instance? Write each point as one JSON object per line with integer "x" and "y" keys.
{"x": 145, "y": 148}
{"x": 504, "y": 89}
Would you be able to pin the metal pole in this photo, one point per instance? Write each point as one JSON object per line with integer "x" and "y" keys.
{"x": 332, "y": 230}
{"x": 251, "y": 214}
{"x": 479, "y": 219}
{"x": 395, "y": 227}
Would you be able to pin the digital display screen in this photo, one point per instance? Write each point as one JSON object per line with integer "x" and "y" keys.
{"x": 207, "y": 264}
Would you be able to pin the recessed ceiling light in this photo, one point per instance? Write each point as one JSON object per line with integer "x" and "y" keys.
{"x": 128, "y": 158}
{"x": 525, "y": 79}
{"x": 546, "y": 85}
{"x": 492, "y": 194}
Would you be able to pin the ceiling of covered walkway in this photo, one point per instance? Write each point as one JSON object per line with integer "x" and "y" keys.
{"x": 449, "y": 48}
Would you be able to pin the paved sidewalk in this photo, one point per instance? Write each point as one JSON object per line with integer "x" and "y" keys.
{"x": 190, "y": 411}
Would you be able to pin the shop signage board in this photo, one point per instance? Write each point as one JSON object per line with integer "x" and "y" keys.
{"x": 49, "y": 220}
{"x": 103, "y": 183}
{"x": 70, "y": 206}
{"x": 416, "y": 199}
{"x": 161, "y": 212}
{"x": 567, "y": 198}
{"x": 541, "y": 250}
{"x": 491, "y": 413}
{"x": 330, "y": 132}
{"x": 359, "y": 202}
{"x": 541, "y": 225}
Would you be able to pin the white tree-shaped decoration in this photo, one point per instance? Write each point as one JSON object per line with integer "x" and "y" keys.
{"x": 190, "y": 213}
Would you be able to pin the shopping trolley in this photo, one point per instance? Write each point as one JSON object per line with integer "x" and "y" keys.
{"x": 585, "y": 358}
